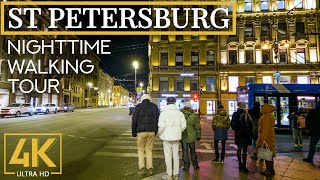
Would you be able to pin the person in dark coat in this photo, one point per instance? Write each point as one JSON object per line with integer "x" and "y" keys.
{"x": 145, "y": 125}
{"x": 313, "y": 126}
{"x": 255, "y": 116}
{"x": 220, "y": 126}
{"x": 241, "y": 123}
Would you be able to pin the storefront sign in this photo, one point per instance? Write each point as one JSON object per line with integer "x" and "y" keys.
{"x": 187, "y": 75}
{"x": 169, "y": 95}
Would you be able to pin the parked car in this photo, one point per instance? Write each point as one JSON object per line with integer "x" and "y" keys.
{"x": 66, "y": 108}
{"x": 46, "y": 108}
{"x": 16, "y": 109}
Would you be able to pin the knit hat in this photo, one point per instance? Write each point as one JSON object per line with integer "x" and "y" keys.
{"x": 171, "y": 100}
{"x": 145, "y": 96}
{"x": 242, "y": 105}
{"x": 188, "y": 104}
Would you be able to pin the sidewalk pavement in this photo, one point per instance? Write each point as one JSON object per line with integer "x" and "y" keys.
{"x": 286, "y": 168}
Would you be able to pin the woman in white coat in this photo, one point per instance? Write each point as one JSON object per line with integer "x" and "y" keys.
{"x": 171, "y": 125}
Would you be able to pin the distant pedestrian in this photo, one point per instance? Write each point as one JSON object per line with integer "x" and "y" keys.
{"x": 266, "y": 134}
{"x": 145, "y": 126}
{"x": 171, "y": 125}
{"x": 189, "y": 136}
{"x": 293, "y": 118}
{"x": 255, "y": 116}
{"x": 220, "y": 126}
{"x": 241, "y": 123}
{"x": 313, "y": 126}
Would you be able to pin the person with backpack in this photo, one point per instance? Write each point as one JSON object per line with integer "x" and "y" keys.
{"x": 255, "y": 115}
{"x": 220, "y": 126}
{"x": 241, "y": 123}
{"x": 293, "y": 118}
{"x": 266, "y": 135}
{"x": 189, "y": 136}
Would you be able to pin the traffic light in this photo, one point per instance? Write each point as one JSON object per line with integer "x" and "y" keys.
{"x": 195, "y": 97}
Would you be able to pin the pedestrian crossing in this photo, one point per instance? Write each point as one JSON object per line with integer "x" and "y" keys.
{"x": 126, "y": 146}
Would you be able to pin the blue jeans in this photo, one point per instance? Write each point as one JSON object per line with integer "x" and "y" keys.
{"x": 312, "y": 147}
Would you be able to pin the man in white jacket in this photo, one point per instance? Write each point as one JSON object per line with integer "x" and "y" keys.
{"x": 171, "y": 125}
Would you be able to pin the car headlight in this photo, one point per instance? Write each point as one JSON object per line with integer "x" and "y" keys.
{"x": 64, "y": 107}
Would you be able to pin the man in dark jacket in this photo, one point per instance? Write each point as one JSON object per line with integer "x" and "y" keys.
{"x": 255, "y": 116}
{"x": 313, "y": 125}
{"x": 145, "y": 125}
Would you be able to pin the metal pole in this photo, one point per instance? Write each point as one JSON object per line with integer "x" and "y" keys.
{"x": 89, "y": 97}
{"x": 135, "y": 84}
{"x": 199, "y": 87}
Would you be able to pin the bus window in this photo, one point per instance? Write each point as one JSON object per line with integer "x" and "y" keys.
{"x": 284, "y": 110}
{"x": 260, "y": 99}
{"x": 306, "y": 103}
{"x": 273, "y": 101}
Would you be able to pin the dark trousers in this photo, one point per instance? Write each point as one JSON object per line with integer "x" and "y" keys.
{"x": 242, "y": 155}
{"x": 312, "y": 147}
{"x": 216, "y": 149}
{"x": 185, "y": 154}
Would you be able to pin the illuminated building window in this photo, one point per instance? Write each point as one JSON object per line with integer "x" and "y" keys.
{"x": 284, "y": 80}
{"x": 179, "y": 58}
{"x": 250, "y": 80}
{"x": 194, "y": 58}
{"x": 233, "y": 83}
{"x": 298, "y": 4}
{"x": 163, "y": 59}
{"x": 267, "y": 79}
{"x": 264, "y": 5}
{"x": 210, "y": 58}
{"x": 248, "y": 30}
{"x": 233, "y": 57}
{"x": 210, "y": 84}
{"x": 164, "y": 84}
{"x": 266, "y": 56}
{"x": 301, "y": 56}
{"x": 248, "y": 5}
{"x": 303, "y": 79}
{"x": 283, "y": 55}
{"x": 249, "y": 56}
{"x": 281, "y": 4}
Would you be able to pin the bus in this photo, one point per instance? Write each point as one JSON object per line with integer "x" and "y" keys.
{"x": 286, "y": 98}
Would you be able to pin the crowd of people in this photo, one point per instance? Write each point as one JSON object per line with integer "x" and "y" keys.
{"x": 254, "y": 127}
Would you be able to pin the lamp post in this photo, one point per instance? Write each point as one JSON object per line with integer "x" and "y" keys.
{"x": 135, "y": 65}
{"x": 89, "y": 99}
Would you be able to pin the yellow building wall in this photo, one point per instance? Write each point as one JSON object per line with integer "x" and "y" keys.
{"x": 155, "y": 56}
{"x": 203, "y": 106}
{"x": 171, "y": 56}
{"x": 187, "y": 55}
{"x": 186, "y": 82}
{"x": 203, "y": 83}
{"x": 155, "y": 84}
{"x": 171, "y": 84}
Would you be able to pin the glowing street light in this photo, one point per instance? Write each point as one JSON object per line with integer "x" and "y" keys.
{"x": 141, "y": 84}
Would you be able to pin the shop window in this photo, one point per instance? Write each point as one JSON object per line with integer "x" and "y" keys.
{"x": 210, "y": 84}
{"x": 303, "y": 79}
{"x": 250, "y": 80}
{"x": 301, "y": 56}
{"x": 194, "y": 58}
{"x": 248, "y": 30}
{"x": 264, "y": 5}
{"x": 284, "y": 80}
{"x": 232, "y": 106}
{"x": 233, "y": 57}
{"x": 210, "y": 58}
{"x": 163, "y": 59}
{"x": 233, "y": 83}
{"x": 267, "y": 80}
{"x": 164, "y": 84}
{"x": 249, "y": 56}
{"x": 248, "y": 5}
{"x": 179, "y": 58}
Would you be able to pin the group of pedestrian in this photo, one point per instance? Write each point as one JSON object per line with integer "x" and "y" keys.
{"x": 174, "y": 127}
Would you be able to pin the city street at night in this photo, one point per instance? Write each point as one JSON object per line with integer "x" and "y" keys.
{"x": 97, "y": 143}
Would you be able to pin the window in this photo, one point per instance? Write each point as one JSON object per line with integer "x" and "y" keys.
{"x": 303, "y": 80}
{"x": 282, "y": 28}
{"x": 284, "y": 80}
{"x": 301, "y": 56}
{"x": 265, "y": 29}
{"x": 300, "y": 28}
{"x": 194, "y": 84}
{"x": 264, "y": 5}
{"x": 233, "y": 57}
{"x": 248, "y": 5}
{"x": 266, "y": 56}
{"x": 163, "y": 59}
{"x": 281, "y": 4}
{"x": 233, "y": 83}
{"x": 194, "y": 37}
{"x": 249, "y": 56}
{"x": 179, "y": 58}
{"x": 248, "y": 30}
{"x": 194, "y": 58}
{"x": 210, "y": 84}
{"x": 210, "y": 58}
{"x": 164, "y": 84}
{"x": 250, "y": 80}
{"x": 298, "y": 4}
{"x": 283, "y": 56}
{"x": 179, "y": 84}
{"x": 179, "y": 37}
{"x": 210, "y": 36}
{"x": 164, "y": 37}
{"x": 267, "y": 80}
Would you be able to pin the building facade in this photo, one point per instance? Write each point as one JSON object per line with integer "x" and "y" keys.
{"x": 120, "y": 96}
{"x": 182, "y": 66}
{"x": 105, "y": 88}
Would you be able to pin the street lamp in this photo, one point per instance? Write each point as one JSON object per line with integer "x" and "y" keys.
{"x": 90, "y": 86}
{"x": 141, "y": 84}
{"x": 135, "y": 65}
{"x": 143, "y": 91}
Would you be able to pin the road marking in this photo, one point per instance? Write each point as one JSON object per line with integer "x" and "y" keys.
{"x": 206, "y": 145}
